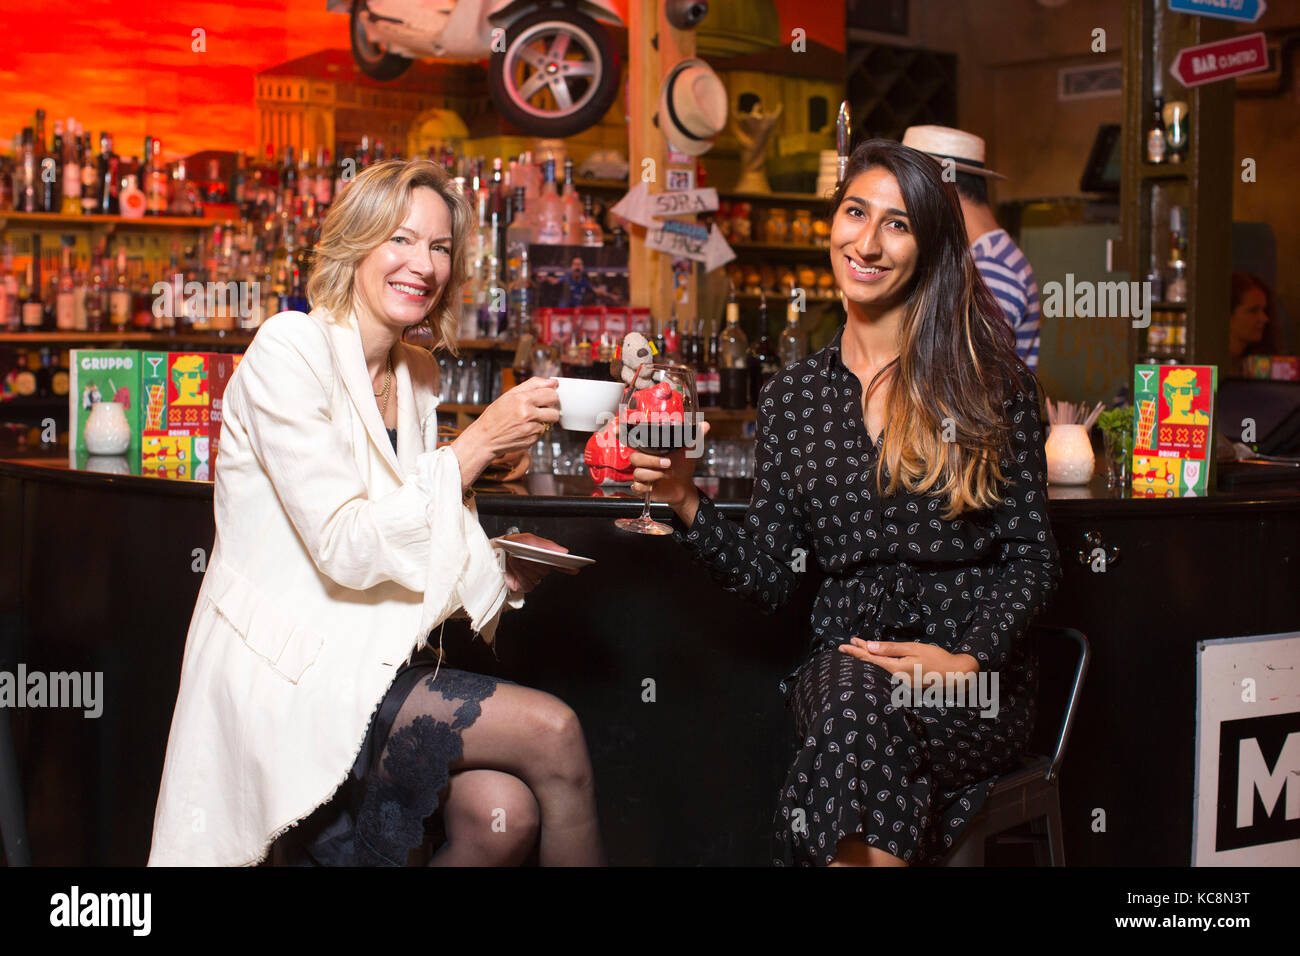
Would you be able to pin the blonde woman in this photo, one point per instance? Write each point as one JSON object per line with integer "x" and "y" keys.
{"x": 344, "y": 540}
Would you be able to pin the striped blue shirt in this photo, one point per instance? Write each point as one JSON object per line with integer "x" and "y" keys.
{"x": 1010, "y": 278}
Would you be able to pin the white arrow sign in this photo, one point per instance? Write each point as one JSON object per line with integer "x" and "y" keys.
{"x": 688, "y": 241}
{"x": 682, "y": 239}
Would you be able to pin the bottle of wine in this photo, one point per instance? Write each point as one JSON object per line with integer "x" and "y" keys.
{"x": 733, "y": 358}
{"x": 33, "y": 312}
{"x": 65, "y": 308}
{"x": 791, "y": 346}
{"x": 89, "y": 179}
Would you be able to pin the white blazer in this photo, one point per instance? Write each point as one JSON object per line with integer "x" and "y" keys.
{"x": 334, "y": 558}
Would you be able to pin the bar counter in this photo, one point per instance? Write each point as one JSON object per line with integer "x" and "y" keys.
{"x": 100, "y": 573}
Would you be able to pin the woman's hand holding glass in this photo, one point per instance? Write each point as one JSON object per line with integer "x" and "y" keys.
{"x": 671, "y": 483}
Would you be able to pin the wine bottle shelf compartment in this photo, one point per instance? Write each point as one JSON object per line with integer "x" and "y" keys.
{"x": 13, "y": 217}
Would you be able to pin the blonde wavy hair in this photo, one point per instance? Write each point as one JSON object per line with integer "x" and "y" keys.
{"x": 365, "y": 216}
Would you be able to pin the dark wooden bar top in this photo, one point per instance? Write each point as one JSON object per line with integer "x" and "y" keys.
{"x": 100, "y": 572}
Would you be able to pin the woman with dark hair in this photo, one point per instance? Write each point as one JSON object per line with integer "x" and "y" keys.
{"x": 907, "y": 457}
{"x": 1251, "y": 330}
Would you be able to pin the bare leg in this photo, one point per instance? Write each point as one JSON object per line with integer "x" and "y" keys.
{"x": 491, "y": 819}
{"x": 852, "y": 851}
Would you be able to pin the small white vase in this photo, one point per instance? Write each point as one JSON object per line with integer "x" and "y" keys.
{"x": 1069, "y": 455}
{"x": 107, "y": 431}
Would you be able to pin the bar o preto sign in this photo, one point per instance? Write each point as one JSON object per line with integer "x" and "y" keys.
{"x": 1220, "y": 60}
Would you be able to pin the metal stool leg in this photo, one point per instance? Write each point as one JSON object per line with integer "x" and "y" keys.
{"x": 1055, "y": 830}
{"x": 13, "y": 821}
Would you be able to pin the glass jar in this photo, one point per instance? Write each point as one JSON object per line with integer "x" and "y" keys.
{"x": 777, "y": 227}
{"x": 801, "y": 230}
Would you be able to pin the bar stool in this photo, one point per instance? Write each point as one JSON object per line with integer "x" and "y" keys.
{"x": 1031, "y": 794}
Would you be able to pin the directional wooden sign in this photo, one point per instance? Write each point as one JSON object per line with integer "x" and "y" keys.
{"x": 1242, "y": 11}
{"x": 1220, "y": 60}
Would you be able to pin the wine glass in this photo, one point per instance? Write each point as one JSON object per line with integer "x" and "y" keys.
{"x": 659, "y": 413}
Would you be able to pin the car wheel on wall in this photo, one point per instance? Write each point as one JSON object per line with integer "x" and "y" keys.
{"x": 372, "y": 59}
{"x": 558, "y": 73}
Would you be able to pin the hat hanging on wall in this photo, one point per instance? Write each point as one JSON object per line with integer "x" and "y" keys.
{"x": 966, "y": 150}
{"x": 692, "y": 106}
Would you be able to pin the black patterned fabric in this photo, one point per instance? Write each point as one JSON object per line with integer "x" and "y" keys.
{"x": 908, "y": 779}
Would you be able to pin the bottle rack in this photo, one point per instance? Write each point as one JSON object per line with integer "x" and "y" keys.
{"x": 1201, "y": 184}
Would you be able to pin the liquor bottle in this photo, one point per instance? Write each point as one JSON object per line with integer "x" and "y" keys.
{"x": 1176, "y": 284}
{"x": 44, "y": 374}
{"x": 154, "y": 183}
{"x": 89, "y": 179}
{"x": 29, "y": 199}
{"x": 519, "y": 296}
{"x": 733, "y": 359}
{"x": 23, "y": 382}
{"x": 519, "y": 234}
{"x": 72, "y": 173}
{"x": 33, "y": 311}
{"x": 11, "y": 310}
{"x": 59, "y": 374}
{"x": 713, "y": 369}
{"x": 51, "y": 165}
{"x": 763, "y": 363}
{"x": 1156, "y": 143}
{"x": 550, "y": 211}
{"x": 108, "y": 164}
{"x": 119, "y": 299}
{"x": 791, "y": 346}
{"x": 288, "y": 174}
{"x": 306, "y": 176}
{"x": 132, "y": 201}
{"x": 96, "y": 298}
{"x": 672, "y": 339}
{"x": 80, "y": 294}
{"x": 324, "y": 178}
{"x": 589, "y": 231}
{"x": 65, "y": 317}
{"x": 572, "y": 206}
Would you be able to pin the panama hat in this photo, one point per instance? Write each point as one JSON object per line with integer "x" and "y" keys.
{"x": 966, "y": 150}
{"x": 692, "y": 106}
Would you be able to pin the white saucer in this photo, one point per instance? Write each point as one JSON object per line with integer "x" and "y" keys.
{"x": 555, "y": 559}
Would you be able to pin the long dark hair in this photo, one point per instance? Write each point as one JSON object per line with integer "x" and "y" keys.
{"x": 945, "y": 427}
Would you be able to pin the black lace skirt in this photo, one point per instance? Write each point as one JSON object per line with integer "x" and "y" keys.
{"x": 390, "y": 803}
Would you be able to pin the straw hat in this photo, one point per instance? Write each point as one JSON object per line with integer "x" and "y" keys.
{"x": 692, "y": 106}
{"x": 944, "y": 142}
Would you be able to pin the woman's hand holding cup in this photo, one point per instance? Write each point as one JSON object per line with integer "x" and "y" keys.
{"x": 511, "y": 424}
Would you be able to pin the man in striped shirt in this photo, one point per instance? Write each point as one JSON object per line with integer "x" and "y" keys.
{"x": 1000, "y": 262}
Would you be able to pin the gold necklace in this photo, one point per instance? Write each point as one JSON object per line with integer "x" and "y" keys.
{"x": 388, "y": 382}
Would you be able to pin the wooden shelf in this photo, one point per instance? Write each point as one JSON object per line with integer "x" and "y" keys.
{"x": 59, "y": 219}
{"x": 1151, "y": 172}
{"x": 782, "y": 247}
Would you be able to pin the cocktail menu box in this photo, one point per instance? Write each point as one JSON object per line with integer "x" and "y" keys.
{"x": 172, "y": 402}
{"x": 1173, "y": 415}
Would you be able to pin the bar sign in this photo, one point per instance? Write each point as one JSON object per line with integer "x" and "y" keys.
{"x": 1210, "y": 62}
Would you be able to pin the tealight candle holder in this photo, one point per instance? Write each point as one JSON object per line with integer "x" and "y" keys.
{"x": 1069, "y": 455}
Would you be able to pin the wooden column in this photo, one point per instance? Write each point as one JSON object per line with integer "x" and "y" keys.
{"x": 651, "y": 273}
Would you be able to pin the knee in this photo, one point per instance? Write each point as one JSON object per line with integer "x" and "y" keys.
{"x": 502, "y": 822}
{"x": 561, "y": 746}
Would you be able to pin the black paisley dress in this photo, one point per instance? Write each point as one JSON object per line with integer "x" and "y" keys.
{"x": 906, "y": 778}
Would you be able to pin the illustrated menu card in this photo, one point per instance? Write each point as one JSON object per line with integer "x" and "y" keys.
{"x": 1173, "y": 411}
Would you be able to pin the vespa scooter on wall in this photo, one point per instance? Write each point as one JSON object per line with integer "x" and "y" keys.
{"x": 553, "y": 71}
